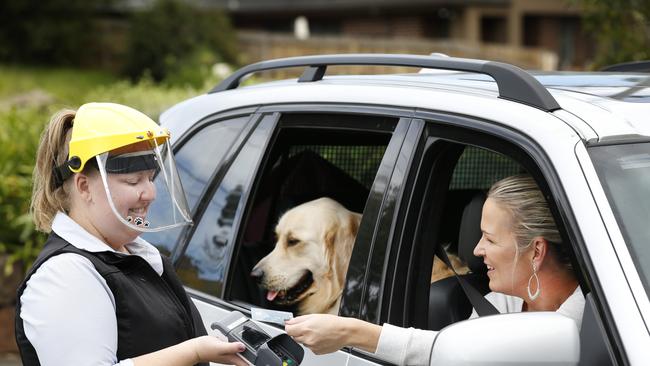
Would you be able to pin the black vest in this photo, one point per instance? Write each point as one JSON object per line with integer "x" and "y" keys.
{"x": 153, "y": 312}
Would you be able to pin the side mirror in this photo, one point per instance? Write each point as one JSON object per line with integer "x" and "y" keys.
{"x": 531, "y": 338}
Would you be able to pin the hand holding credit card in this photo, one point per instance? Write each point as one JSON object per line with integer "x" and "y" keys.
{"x": 270, "y": 316}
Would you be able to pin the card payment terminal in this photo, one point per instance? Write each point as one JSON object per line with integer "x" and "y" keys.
{"x": 261, "y": 348}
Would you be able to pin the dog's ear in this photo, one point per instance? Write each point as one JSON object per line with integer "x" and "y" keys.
{"x": 353, "y": 224}
{"x": 330, "y": 250}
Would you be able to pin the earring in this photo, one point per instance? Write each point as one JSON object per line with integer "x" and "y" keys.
{"x": 538, "y": 289}
{"x": 129, "y": 219}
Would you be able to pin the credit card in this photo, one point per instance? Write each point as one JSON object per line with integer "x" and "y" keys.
{"x": 270, "y": 316}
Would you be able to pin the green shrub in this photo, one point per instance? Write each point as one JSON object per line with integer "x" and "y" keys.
{"x": 621, "y": 29}
{"x": 22, "y": 120}
{"x": 145, "y": 96}
{"x": 177, "y": 43}
{"x": 46, "y": 31}
{"x": 16, "y": 80}
{"x": 19, "y": 138}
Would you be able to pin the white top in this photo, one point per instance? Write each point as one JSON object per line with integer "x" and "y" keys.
{"x": 68, "y": 310}
{"x": 410, "y": 346}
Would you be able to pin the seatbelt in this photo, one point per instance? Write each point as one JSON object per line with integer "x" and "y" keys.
{"x": 480, "y": 303}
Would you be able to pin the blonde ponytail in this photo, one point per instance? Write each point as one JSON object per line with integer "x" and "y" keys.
{"x": 52, "y": 151}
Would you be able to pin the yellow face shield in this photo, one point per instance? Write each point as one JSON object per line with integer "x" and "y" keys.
{"x": 143, "y": 187}
{"x": 136, "y": 164}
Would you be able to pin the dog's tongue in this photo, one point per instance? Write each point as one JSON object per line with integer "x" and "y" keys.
{"x": 271, "y": 295}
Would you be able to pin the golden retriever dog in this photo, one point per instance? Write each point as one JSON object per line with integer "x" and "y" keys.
{"x": 308, "y": 265}
{"x": 440, "y": 269}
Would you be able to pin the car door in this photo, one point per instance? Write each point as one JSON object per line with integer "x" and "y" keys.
{"x": 454, "y": 158}
{"x": 213, "y": 258}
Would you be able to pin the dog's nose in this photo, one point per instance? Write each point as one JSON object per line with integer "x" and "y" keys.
{"x": 257, "y": 274}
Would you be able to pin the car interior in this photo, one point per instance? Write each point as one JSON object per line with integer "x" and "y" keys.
{"x": 473, "y": 172}
{"x": 308, "y": 163}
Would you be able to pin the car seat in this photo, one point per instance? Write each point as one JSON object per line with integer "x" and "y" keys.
{"x": 447, "y": 300}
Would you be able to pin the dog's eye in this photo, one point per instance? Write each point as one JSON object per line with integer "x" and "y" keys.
{"x": 292, "y": 241}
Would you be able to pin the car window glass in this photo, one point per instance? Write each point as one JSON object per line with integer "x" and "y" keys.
{"x": 196, "y": 161}
{"x": 204, "y": 263}
{"x": 331, "y": 171}
{"x": 624, "y": 171}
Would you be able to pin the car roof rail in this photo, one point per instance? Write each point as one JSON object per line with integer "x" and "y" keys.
{"x": 513, "y": 83}
{"x": 633, "y": 66}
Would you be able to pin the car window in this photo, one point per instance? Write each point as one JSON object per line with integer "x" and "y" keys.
{"x": 459, "y": 230}
{"x": 204, "y": 263}
{"x": 454, "y": 190}
{"x": 624, "y": 171}
{"x": 196, "y": 161}
{"x": 328, "y": 172}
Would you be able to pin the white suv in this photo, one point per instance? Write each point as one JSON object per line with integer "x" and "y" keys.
{"x": 409, "y": 151}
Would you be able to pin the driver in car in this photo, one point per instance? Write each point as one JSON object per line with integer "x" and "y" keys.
{"x": 529, "y": 269}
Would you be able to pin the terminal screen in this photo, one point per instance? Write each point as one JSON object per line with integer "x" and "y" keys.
{"x": 253, "y": 337}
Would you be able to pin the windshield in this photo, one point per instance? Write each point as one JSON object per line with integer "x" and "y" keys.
{"x": 624, "y": 172}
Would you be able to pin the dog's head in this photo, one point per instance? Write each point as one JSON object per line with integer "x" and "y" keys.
{"x": 307, "y": 267}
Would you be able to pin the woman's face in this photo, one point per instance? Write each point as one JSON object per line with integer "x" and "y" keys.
{"x": 132, "y": 193}
{"x": 497, "y": 246}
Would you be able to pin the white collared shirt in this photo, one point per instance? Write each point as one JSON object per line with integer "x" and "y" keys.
{"x": 68, "y": 310}
{"x": 410, "y": 346}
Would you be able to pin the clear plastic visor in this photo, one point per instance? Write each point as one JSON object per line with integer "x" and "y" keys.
{"x": 143, "y": 188}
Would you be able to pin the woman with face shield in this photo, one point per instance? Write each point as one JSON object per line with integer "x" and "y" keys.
{"x": 98, "y": 294}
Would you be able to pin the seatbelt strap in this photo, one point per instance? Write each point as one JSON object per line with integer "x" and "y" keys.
{"x": 480, "y": 303}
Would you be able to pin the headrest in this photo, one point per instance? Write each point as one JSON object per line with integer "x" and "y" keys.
{"x": 470, "y": 233}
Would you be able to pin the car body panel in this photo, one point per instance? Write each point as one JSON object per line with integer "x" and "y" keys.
{"x": 624, "y": 118}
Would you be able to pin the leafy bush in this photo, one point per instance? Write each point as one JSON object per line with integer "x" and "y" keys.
{"x": 177, "y": 43}
{"x": 622, "y": 29}
{"x": 46, "y": 31}
{"x": 28, "y": 97}
{"x": 16, "y": 80}
{"x": 19, "y": 138}
{"x": 145, "y": 96}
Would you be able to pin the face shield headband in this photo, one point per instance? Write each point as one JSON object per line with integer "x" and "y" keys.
{"x": 168, "y": 210}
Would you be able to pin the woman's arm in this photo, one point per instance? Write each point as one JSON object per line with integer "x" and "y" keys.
{"x": 324, "y": 333}
{"x": 193, "y": 351}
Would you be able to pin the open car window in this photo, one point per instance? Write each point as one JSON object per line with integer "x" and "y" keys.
{"x": 319, "y": 178}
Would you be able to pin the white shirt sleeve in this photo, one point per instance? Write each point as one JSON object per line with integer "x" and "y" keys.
{"x": 68, "y": 313}
{"x": 409, "y": 346}
{"x": 405, "y": 346}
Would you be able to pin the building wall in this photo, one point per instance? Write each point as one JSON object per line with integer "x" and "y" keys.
{"x": 257, "y": 46}
{"x": 551, "y": 24}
